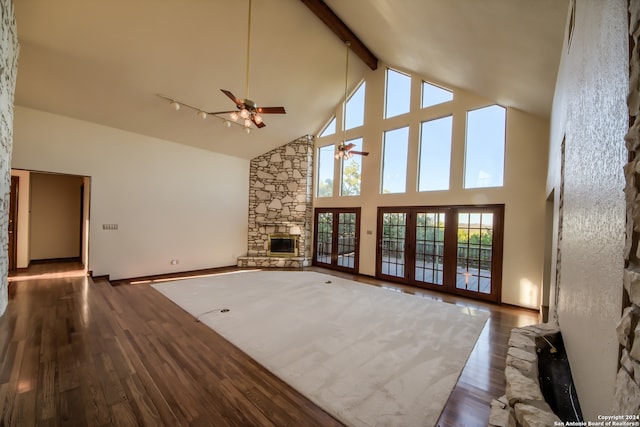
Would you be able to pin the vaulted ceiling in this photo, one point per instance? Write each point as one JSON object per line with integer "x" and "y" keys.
{"x": 105, "y": 62}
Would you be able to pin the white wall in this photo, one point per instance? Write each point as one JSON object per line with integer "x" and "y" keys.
{"x": 523, "y": 191}
{"x": 589, "y": 109}
{"x": 170, "y": 201}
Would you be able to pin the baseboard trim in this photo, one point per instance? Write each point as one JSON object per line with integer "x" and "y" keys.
{"x": 178, "y": 275}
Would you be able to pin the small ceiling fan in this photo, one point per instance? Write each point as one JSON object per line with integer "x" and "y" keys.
{"x": 347, "y": 151}
{"x": 344, "y": 150}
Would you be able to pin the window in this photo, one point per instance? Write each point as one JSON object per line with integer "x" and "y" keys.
{"x": 435, "y": 154}
{"x": 434, "y": 95}
{"x": 484, "y": 150}
{"x": 354, "y": 114}
{"x": 324, "y": 184}
{"x": 351, "y": 169}
{"x": 394, "y": 160}
{"x": 330, "y": 129}
{"x": 398, "y": 94}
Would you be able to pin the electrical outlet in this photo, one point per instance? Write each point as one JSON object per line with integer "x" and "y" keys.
{"x": 175, "y": 262}
{"x": 109, "y": 226}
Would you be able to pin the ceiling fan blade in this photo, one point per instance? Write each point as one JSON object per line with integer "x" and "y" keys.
{"x": 362, "y": 153}
{"x": 221, "y": 112}
{"x": 258, "y": 124}
{"x": 271, "y": 110}
{"x": 232, "y": 97}
{"x": 349, "y": 146}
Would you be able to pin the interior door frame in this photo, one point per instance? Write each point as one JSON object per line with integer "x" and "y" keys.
{"x": 450, "y": 248}
{"x": 334, "y": 239}
{"x": 13, "y": 224}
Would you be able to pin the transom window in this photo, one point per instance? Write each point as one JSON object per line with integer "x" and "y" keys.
{"x": 397, "y": 94}
{"x": 434, "y": 95}
{"x": 330, "y": 129}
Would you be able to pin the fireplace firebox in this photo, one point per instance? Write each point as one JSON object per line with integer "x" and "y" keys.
{"x": 282, "y": 245}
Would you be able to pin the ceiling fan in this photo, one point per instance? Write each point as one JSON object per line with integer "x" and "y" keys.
{"x": 347, "y": 151}
{"x": 247, "y": 110}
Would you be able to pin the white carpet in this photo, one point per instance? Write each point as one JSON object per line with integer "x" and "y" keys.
{"x": 367, "y": 355}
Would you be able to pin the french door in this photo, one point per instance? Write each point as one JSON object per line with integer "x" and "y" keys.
{"x": 456, "y": 249}
{"x": 336, "y": 238}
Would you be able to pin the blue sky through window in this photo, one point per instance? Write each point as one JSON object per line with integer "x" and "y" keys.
{"x": 435, "y": 154}
{"x": 394, "y": 163}
{"x": 398, "y": 94}
{"x": 355, "y": 109}
{"x": 434, "y": 95}
{"x": 330, "y": 129}
{"x": 484, "y": 148}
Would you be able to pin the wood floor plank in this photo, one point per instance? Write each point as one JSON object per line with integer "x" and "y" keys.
{"x": 78, "y": 352}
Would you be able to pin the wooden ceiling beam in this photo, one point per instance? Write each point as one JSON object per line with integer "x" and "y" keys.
{"x": 335, "y": 24}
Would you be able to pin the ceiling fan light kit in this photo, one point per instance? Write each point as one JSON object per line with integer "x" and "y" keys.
{"x": 247, "y": 113}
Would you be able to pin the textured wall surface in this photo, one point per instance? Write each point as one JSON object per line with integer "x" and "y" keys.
{"x": 590, "y": 112}
{"x": 280, "y": 199}
{"x": 628, "y": 379}
{"x": 8, "y": 69}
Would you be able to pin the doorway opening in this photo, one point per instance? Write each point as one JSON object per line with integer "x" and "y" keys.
{"x": 51, "y": 218}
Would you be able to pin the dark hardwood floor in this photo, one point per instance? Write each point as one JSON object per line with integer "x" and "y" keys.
{"x": 77, "y": 352}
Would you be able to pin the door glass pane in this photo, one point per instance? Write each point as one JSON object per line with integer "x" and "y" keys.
{"x": 475, "y": 246}
{"x": 325, "y": 233}
{"x": 346, "y": 239}
{"x": 429, "y": 266}
{"x": 394, "y": 226}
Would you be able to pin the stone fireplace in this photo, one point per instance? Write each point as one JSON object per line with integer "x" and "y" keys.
{"x": 280, "y": 207}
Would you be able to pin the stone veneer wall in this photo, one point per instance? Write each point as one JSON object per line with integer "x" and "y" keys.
{"x": 523, "y": 404}
{"x": 8, "y": 69}
{"x": 627, "y": 393}
{"x": 280, "y": 201}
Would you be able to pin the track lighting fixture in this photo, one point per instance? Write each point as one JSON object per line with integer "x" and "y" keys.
{"x": 233, "y": 118}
